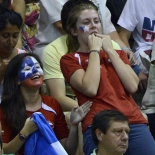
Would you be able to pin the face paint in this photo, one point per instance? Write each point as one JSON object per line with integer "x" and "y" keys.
{"x": 28, "y": 68}
{"x": 84, "y": 28}
{"x": 30, "y": 72}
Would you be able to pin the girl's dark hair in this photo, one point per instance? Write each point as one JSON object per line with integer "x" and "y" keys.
{"x": 9, "y": 16}
{"x": 13, "y": 105}
{"x": 72, "y": 41}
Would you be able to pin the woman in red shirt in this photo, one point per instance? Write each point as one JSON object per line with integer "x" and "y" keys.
{"x": 98, "y": 73}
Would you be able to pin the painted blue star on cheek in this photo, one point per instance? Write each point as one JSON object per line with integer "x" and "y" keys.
{"x": 26, "y": 69}
{"x": 84, "y": 28}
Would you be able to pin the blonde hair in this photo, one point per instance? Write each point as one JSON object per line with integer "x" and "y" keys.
{"x": 72, "y": 41}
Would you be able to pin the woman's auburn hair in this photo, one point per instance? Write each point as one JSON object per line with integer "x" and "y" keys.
{"x": 72, "y": 41}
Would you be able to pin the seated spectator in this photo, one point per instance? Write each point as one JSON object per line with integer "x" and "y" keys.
{"x": 54, "y": 51}
{"x": 110, "y": 131}
{"x": 99, "y": 73}
{"x": 21, "y": 98}
{"x": 19, "y": 7}
{"x": 10, "y": 26}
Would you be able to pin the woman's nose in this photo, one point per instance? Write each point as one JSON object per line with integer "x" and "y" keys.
{"x": 93, "y": 24}
{"x": 10, "y": 41}
{"x": 34, "y": 70}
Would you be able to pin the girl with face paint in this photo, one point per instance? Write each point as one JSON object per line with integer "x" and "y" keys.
{"x": 30, "y": 73}
{"x": 98, "y": 73}
{"x": 21, "y": 98}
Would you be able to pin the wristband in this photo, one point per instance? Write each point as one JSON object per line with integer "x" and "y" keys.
{"x": 94, "y": 51}
{"x": 22, "y": 137}
{"x": 126, "y": 48}
{"x": 73, "y": 124}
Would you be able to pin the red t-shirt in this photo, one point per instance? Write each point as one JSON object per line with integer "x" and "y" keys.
{"x": 53, "y": 114}
{"x": 111, "y": 93}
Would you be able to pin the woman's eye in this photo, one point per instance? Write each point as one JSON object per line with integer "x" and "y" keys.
{"x": 86, "y": 23}
{"x": 5, "y": 36}
{"x": 38, "y": 66}
{"x": 97, "y": 21}
{"x": 27, "y": 68}
{"x": 15, "y": 36}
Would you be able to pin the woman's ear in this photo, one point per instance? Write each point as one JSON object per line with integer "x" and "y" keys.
{"x": 73, "y": 32}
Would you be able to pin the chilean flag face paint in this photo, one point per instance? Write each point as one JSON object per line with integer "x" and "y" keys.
{"x": 84, "y": 28}
{"x": 30, "y": 72}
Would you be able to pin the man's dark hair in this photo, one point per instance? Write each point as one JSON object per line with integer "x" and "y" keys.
{"x": 103, "y": 121}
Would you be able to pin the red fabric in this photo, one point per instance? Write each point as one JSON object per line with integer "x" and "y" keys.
{"x": 111, "y": 93}
{"x": 58, "y": 120}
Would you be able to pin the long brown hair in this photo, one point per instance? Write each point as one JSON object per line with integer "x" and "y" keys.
{"x": 13, "y": 104}
{"x": 72, "y": 41}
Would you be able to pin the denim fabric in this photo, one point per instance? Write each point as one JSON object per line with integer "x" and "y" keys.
{"x": 141, "y": 141}
{"x": 89, "y": 145}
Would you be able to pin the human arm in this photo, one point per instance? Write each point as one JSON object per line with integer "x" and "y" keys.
{"x": 124, "y": 46}
{"x": 125, "y": 35}
{"x": 54, "y": 79}
{"x": 58, "y": 25}
{"x": 142, "y": 82}
{"x": 109, "y": 29}
{"x": 77, "y": 114}
{"x": 133, "y": 62}
{"x": 87, "y": 82}
{"x": 143, "y": 75}
{"x": 15, "y": 145}
{"x": 127, "y": 21}
{"x": 56, "y": 88}
{"x": 124, "y": 71}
